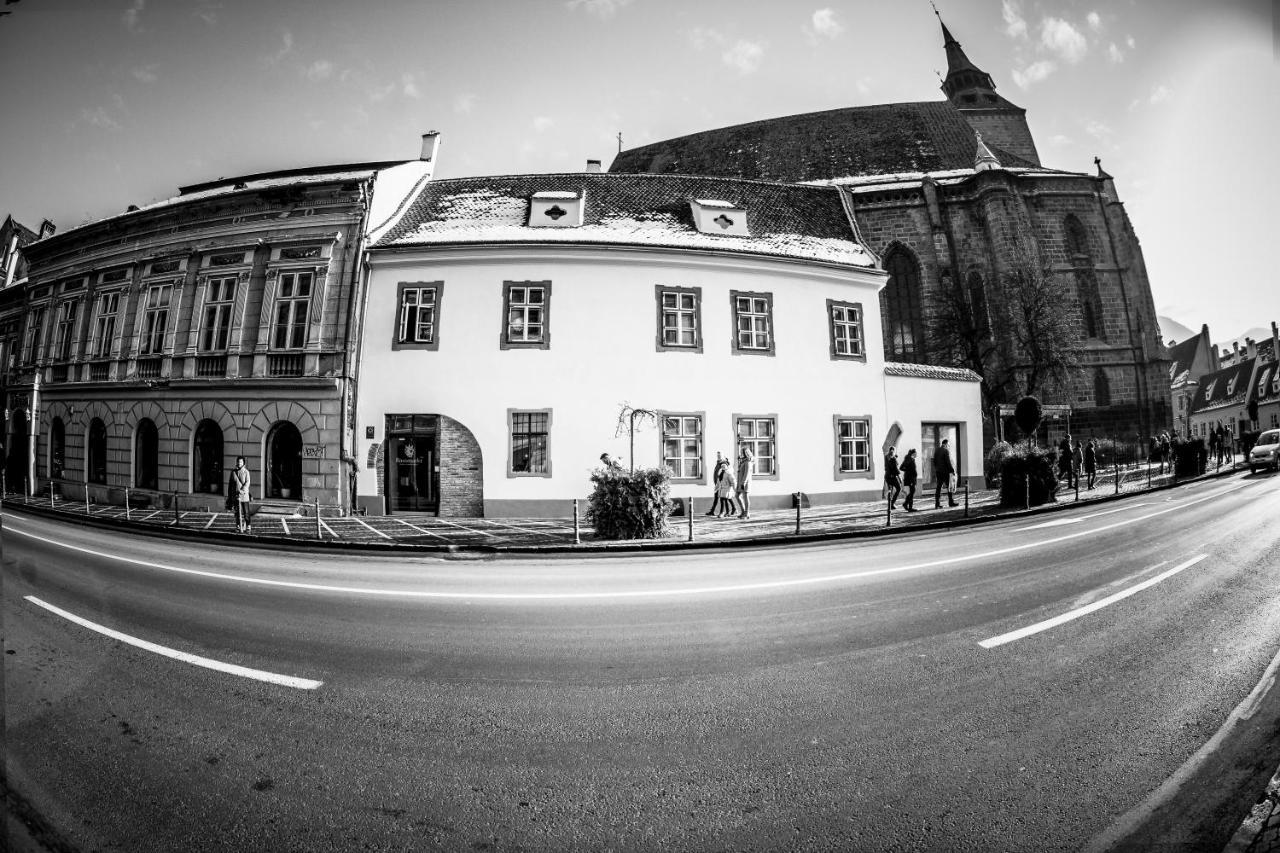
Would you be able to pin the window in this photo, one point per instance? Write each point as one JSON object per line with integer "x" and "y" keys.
{"x": 530, "y": 435}
{"x": 679, "y": 318}
{"x": 900, "y": 305}
{"x": 66, "y": 330}
{"x": 105, "y": 331}
{"x": 853, "y": 446}
{"x": 682, "y": 446}
{"x": 1102, "y": 390}
{"x": 845, "y": 320}
{"x": 292, "y": 303}
{"x": 146, "y": 455}
{"x": 759, "y": 434}
{"x": 215, "y": 326}
{"x": 155, "y": 319}
{"x": 418, "y": 316}
{"x": 526, "y": 318}
{"x": 35, "y": 331}
{"x": 752, "y": 322}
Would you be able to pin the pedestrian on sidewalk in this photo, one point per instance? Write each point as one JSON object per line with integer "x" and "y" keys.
{"x": 909, "y": 476}
{"x": 724, "y": 493}
{"x": 942, "y": 471}
{"x": 1077, "y": 463}
{"x": 1091, "y": 463}
{"x": 745, "y": 460}
{"x": 238, "y": 489}
{"x": 1064, "y": 460}
{"x": 716, "y": 475}
{"x": 892, "y": 477}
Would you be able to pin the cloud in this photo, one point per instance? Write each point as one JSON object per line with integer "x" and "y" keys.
{"x": 382, "y": 92}
{"x": 602, "y": 9}
{"x": 745, "y": 56}
{"x": 1098, "y": 130}
{"x": 286, "y": 47}
{"x": 409, "y": 85}
{"x": 464, "y": 102}
{"x": 543, "y": 123}
{"x": 1114, "y": 53}
{"x": 1033, "y": 73}
{"x": 133, "y": 16}
{"x": 99, "y": 118}
{"x": 824, "y": 24}
{"x": 1095, "y": 21}
{"x": 1063, "y": 39}
{"x": 208, "y": 12}
{"x": 1015, "y": 26}
{"x": 1160, "y": 94}
{"x": 701, "y": 37}
{"x": 1129, "y": 41}
{"x": 1061, "y": 139}
{"x": 321, "y": 69}
{"x": 146, "y": 73}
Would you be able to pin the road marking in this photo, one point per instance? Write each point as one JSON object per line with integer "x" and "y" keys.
{"x": 666, "y": 593}
{"x": 1062, "y": 522}
{"x": 370, "y": 526}
{"x": 207, "y": 663}
{"x": 992, "y": 642}
{"x": 285, "y": 525}
{"x": 415, "y": 527}
{"x": 328, "y": 528}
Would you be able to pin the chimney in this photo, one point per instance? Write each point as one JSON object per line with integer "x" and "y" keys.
{"x": 46, "y": 229}
{"x": 430, "y": 146}
{"x": 593, "y": 167}
{"x": 1251, "y": 347}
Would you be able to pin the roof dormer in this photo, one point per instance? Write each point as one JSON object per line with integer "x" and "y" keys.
{"x": 719, "y": 217}
{"x": 551, "y": 209}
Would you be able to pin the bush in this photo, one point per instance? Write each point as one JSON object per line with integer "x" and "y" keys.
{"x": 995, "y": 459}
{"x": 1021, "y": 465}
{"x": 630, "y": 505}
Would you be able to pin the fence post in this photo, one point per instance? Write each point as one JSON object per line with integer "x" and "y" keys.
{"x": 86, "y": 497}
{"x": 26, "y": 489}
{"x": 577, "y": 540}
{"x": 799, "y": 503}
{"x": 888, "y": 512}
{"x": 1077, "y": 478}
{"x": 316, "y": 503}
{"x": 966, "y": 498}
{"x": 1117, "y": 476}
{"x": 1148, "y": 473}
{"x": 52, "y": 503}
{"x": 688, "y": 511}
{"x": 126, "y": 504}
{"x": 177, "y": 519}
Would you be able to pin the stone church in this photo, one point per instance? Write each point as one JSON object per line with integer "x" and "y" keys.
{"x": 953, "y": 198}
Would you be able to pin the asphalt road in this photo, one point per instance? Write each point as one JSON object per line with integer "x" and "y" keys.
{"x": 853, "y": 696}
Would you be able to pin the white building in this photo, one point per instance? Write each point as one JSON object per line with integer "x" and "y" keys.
{"x": 508, "y": 320}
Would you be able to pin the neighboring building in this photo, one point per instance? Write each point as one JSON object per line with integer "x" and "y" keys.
{"x": 1188, "y": 361}
{"x": 158, "y": 345}
{"x": 509, "y": 319}
{"x": 945, "y": 191}
{"x": 1248, "y": 377}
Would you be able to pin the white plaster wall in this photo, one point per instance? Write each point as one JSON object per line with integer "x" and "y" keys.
{"x": 603, "y": 327}
{"x": 913, "y": 402}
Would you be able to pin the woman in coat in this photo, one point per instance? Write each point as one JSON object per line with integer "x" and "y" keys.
{"x": 238, "y": 490}
{"x": 909, "y": 476}
{"x": 892, "y": 477}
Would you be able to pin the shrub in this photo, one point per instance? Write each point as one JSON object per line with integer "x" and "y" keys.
{"x": 994, "y": 461}
{"x": 630, "y": 505}
{"x": 1021, "y": 465}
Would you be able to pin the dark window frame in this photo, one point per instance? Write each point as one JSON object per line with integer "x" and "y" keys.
{"x": 902, "y": 305}
{"x": 841, "y": 474}
{"x": 397, "y": 341}
{"x": 511, "y": 440}
{"x": 504, "y": 339}
{"x": 738, "y": 418}
{"x": 734, "y": 314}
{"x": 832, "y": 305}
{"x": 696, "y": 293}
{"x": 701, "y": 478}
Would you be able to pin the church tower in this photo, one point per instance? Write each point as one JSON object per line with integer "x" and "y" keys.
{"x": 972, "y": 91}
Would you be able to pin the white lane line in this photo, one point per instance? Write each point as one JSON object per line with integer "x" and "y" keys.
{"x": 1062, "y": 522}
{"x": 207, "y": 663}
{"x": 992, "y": 642}
{"x": 552, "y": 596}
{"x": 370, "y": 526}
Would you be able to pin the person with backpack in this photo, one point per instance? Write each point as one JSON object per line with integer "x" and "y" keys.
{"x": 909, "y": 476}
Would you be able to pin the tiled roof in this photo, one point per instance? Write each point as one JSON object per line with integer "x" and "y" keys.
{"x": 1226, "y": 387}
{"x": 929, "y": 371}
{"x": 929, "y": 136}
{"x": 1181, "y": 357}
{"x": 785, "y": 220}
{"x": 1267, "y": 386}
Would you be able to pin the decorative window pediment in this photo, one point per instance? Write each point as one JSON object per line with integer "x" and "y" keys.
{"x": 719, "y": 217}
{"x": 556, "y": 209}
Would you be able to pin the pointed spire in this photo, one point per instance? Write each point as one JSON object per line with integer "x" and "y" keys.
{"x": 984, "y": 160}
{"x": 962, "y": 75}
{"x": 1102, "y": 173}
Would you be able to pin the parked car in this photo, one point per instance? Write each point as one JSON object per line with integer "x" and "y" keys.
{"x": 1266, "y": 453}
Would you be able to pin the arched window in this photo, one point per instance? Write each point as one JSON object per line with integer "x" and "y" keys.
{"x": 284, "y": 461}
{"x": 978, "y": 311}
{"x": 96, "y": 461}
{"x": 57, "y": 449}
{"x": 146, "y": 455}
{"x": 900, "y": 306}
{"x": 1079, "y": 257}
{"x": 1101, "y": 388}
{"x": 1077, "y": 242}
{"x": 206, "y": 458}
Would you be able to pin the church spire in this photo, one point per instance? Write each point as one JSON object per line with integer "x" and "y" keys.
{"x": 983, "y": 159}
{"x": 962, "y": 75}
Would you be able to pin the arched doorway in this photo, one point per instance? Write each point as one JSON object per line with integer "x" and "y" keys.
{"x": 146, "y": 455}
{"x": 19, "y": 446}
{"x": 284, "y": 461}
{"x": 57, "y": 449}
{"x": 206, "y": 458}
{"x": 96, "y": 459}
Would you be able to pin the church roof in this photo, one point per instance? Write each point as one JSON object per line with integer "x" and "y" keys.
{"x": 927, "y": 136}
{"x": 784, "y": 220}
{"x": 1181, "y": 357}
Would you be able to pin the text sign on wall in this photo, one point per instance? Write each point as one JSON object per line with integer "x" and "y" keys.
{"x": 313, "y": 451}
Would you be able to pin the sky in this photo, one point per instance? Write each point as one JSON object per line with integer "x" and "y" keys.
{"x": 109, "y": 103}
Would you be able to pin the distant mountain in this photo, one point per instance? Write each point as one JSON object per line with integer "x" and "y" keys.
{"x": 1258, "y": 333}
{"x": 1171, "y": 329}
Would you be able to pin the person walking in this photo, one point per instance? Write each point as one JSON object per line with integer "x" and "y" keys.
{"x": 942, "y": 471}
{"x": 909, "y": 476}
{"x": 1091, "y": 464}
{"x": 716, "y": 475}
{"x": 238, "y": 489}
{"x": 1077, "y": 463}
{"x": 745, "y": 461}
{"x": 892, "y": 477}
{"x": 724, "y": 493}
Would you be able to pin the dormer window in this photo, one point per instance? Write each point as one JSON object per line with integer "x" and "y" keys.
{"x": 552, "y": 209}
{"x": 1208, "y": 391}
{"x": 719, "y": 217}
{"x": 1231, "y": 386}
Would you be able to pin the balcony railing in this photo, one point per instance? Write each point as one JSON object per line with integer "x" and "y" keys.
{"x": 211, "y": 365}
{"x": 285, "y": 364}
{"x": 100, "y": 371}
{"x": 149, "y": 368}
{"x": 59, "y": 373}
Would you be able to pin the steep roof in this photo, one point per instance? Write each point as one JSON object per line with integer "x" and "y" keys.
{"x": 1181, "y": 357}
{"x": 1226, "y": 387}
{"x": 1266, "y": 388}
{"x": 884, "y": 139}
{"x": 784, "y": 220}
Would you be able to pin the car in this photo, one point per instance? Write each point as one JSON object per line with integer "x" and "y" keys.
{"x": 1266, "y": 453}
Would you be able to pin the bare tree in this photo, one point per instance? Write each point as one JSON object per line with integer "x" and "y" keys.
{"x": 627, "y": 416}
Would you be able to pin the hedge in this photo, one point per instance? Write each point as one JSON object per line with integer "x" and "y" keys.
{"x": 1021, "y": 464}
{"x": 630, "y": 505}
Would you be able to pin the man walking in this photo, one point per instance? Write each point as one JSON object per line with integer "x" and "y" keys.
{"x": 909, "y": 475}
{"x": 942, "y": 471}
{"x": 892, "y": 477}
{"x": 745, "y": 460}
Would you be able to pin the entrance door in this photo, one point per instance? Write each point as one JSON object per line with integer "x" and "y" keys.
{"x": 284, "y": 462}
{"x": 930, "y": 440}
{"x": 413, "y": 463}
